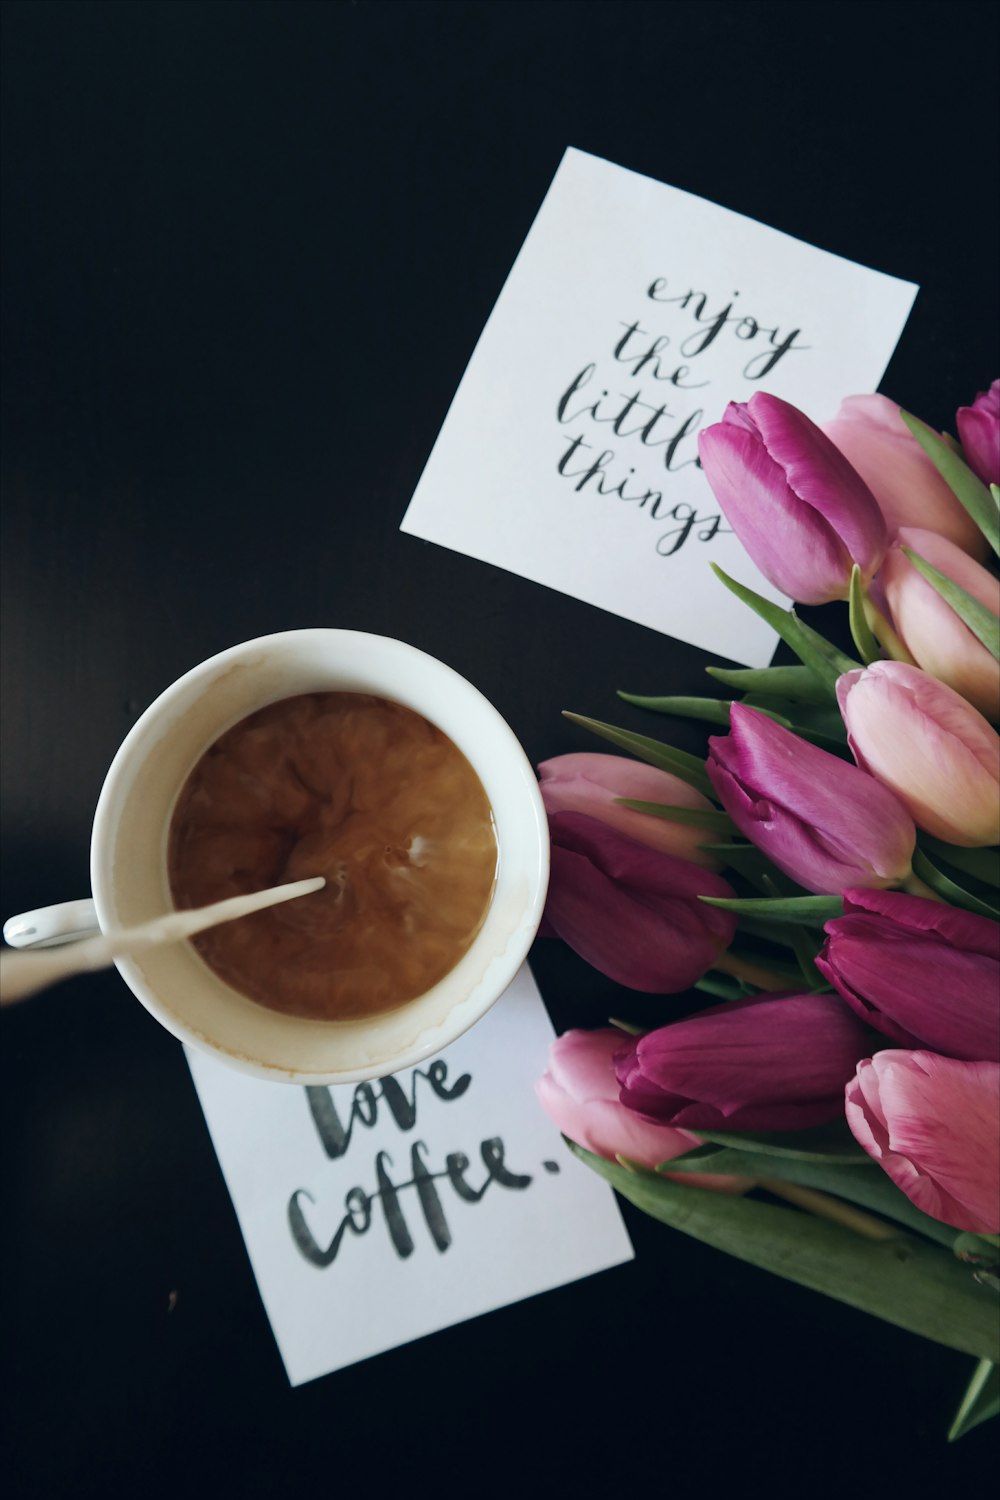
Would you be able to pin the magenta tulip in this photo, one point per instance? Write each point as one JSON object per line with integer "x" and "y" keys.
{"x": 924, "y": 973}
{"x": 630, "y": 911}
{"x": 929, "y": 628}
{"x": 979, "y": 433}
{"x": 591, "y": 784}
{"x": 872, "y": 435}
{"x": 933, "y": 1124}
{"x": 921, "y": 739}
{"x": 579, "y": 1093}
{"x": 800, "y": 510}
{"x": 821, "y": 820}
{"x": 774, "y": 1063}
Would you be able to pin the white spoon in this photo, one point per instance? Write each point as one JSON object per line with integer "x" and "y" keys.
{"x": 22, "y": 973}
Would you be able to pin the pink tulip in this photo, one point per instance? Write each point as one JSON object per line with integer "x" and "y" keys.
{"x": 775, "y": 1062}
{"x": 633, "y": 912}
{"x": 590, "y": 784}
{"x": 817, "y": 817}
{"x": 930, "y": 629}
{"x": 869, "y": 431}
{"x": 798, "y": 507}
{"x": 935, "y": 751}
{"x": 579, "y": 1093}
{"x": 979, "y": 433}
{"x": 924, "y": 973}
{"x": 933, "y": 1124}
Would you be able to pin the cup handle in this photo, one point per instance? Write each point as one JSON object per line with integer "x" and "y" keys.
{"x": 48, "y": 926}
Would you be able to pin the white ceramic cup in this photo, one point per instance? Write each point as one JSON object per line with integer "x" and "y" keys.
{"x": 128, "y": 863}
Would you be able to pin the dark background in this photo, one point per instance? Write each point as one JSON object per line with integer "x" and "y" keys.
{"x": 248, "y": 251}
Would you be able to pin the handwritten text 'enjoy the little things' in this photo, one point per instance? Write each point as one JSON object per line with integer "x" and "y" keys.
{"x": 638, "y": 415}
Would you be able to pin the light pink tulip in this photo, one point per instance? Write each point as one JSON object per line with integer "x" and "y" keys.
{"x": 930, "y": 629}
{"x": 590, "y": 783}
{"x": 579, "y": 1093}
{"x": 933, "y": 1124}
{"x": 925, "y": 743}
{"x": 871, "y": 434}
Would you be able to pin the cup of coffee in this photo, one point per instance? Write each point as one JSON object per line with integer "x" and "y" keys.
{"x": 333, "y": 753}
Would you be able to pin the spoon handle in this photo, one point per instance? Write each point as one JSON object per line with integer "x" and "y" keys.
{"x": 23, "y": 973}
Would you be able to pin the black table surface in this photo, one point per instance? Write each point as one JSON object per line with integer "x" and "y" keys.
{"x": 249, "y": 248}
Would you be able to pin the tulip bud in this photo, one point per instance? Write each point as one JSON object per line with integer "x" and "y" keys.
{"x": 579, "y": 1093}
{"x": 818, "y": 818}
{"x": 590, "y": 784}
{"x": 979, "y": 433}
{"x": 774, "y": 1063}
{"x": 921, "y": 972}
{"x": 929, "y": 628}
{"x": 633, "y": 912}
{"x": 933, "y": 1124}
{"x": 935, "y": 751}
{"x": 872, "y": 435}
{"x": 800, "y": 510}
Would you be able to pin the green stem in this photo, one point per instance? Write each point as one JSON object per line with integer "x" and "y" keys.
{"x": 754, "y": 973}
{"x": 917, "y": 887}
{"x": 866, "y": 642}
{"x": 884, "y": 633}
{"x": 831, "y": 1208}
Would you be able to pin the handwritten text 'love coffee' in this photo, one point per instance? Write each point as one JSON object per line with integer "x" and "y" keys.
{"x": 419, "y": 1195}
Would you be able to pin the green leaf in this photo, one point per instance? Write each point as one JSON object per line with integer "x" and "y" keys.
{"x": 688, "y": 767}
{"x": 774, "y": 932}
{"x": 805, "y": 718}
{"x": 721, "y": 989}
{"x": 825, "y": 1143}
{"x": 969, "y": 1246}
{"x": 825, "y": 660}
{"x": 728, "y": 1161}
{"x": 869, "y": 1189}
{"x": 949, "y": 889}
{"x": 756, "y": 969}
{"x": 805, "y": 948}
{"x": 981, "y": 620}
{"x": 906, "y": 1280}
{"x": 711, "y": 710}
{"x": 798, "y": 683}
{"x": 868, "y": 646}
{"x": 960, "y": 479}
{"x": 982, "y": 864}
{"x": 696, "y": 817}
{"x": 745, "y": 859}
{"x": 803, "y": 943}
{"x": 980, "y": 1402}
{"x": 810, "y": 911}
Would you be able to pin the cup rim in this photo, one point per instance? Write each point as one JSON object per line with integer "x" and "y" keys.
{"x": 463, "y": 1014}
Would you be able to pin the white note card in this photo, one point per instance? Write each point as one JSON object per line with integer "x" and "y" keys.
{"x": 377, "y": 1214}
{"x": 633, "y": 315}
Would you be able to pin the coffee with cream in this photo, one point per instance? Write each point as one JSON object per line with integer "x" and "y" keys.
{"x": 376, "y": 799}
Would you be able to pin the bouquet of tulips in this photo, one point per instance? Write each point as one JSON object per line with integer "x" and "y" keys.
{"x": 827, "y": 879}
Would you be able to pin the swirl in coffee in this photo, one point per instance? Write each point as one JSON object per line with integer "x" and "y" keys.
{"x": 370, "y": 795}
